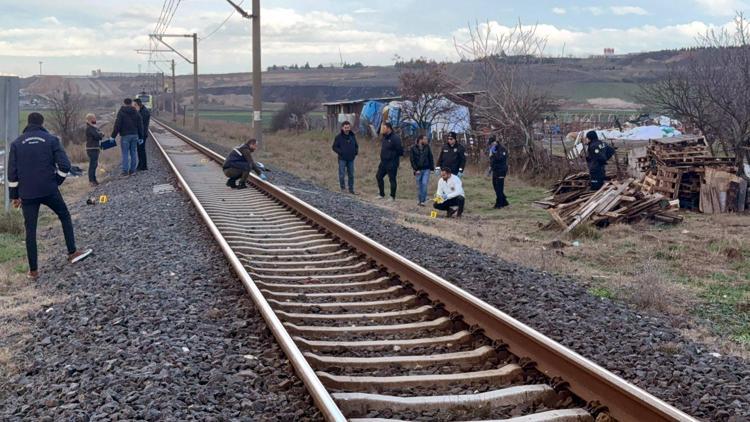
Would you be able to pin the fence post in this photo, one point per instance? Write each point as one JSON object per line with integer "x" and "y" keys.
{"x": 9, "y": 115}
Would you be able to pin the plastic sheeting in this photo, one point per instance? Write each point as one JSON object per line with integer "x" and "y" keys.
{"x": 371, "y": 117}
{"x": 639, "y": 133}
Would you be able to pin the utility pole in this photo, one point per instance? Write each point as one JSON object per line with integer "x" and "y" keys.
{"x": 40, "y": 68}
{"x": 194, "y": 62}
{"x": 174, "y": 95}
{"x": 9, "y": 89}
{"x": 257, "y": 86}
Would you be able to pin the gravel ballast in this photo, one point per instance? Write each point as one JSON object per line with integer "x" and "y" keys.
{"x": 155, "y": 326}
{"x": 645, "y": 349}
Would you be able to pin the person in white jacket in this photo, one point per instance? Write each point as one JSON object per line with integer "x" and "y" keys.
{"x": 450, "y": 194}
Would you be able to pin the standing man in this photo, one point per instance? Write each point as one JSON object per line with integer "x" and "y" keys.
{"x": 597, "y": 154}
{"x": 499, "y": 167}
{"x": 450, "y": 194}
{"x": 239, "y": 163}
{"x": 345, "y": 145}
{"x": 422, "y": 163}
{"x": 391, "y": 151}
{"x": 453, "y": 156}
{"x": 93, "y": 139}
{"x": 145, "y": 120}
{"x": 129, "y": 125}
{"x": 37, "y": 165}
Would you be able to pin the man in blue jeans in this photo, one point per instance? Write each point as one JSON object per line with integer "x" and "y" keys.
{"x": 129, "y": 126}
{"x": 37, "y": 165}
{"x": 345, "y": 145}
{"x": 422, "y": 163}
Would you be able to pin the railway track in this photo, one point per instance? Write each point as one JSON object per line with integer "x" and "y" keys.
{"x": 376, "y": 337}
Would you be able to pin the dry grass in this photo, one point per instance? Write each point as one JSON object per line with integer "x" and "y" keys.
{"x": 699, "y": 269}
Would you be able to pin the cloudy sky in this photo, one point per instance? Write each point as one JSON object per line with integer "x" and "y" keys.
{"x": 76, "y": 36}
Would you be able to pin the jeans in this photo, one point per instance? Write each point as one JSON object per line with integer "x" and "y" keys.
{"x": 391, "y": 169}
{"x": 498, "y": 183}
{"x": 93, "y": 163}
{"x": 346, "y": 166}
{"x": 129, "y": 149}
{"x": 30, "y": 209}
{"x": 423, "y": 180}
{"x": 142, "y": 156}
{"x": 457, "y": 201}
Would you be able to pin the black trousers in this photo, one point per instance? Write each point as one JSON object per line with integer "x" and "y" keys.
{"x": 391, "y": 169}
{"x": 30, "y": 209}
{"x": 597, "y": 178}
{"x": 93, "y": 163}
{"x": 458, "y": 201}
{"x": 236, "y": 174}
{"x": 142, "y": 164}
{"x": 498, "y": 183}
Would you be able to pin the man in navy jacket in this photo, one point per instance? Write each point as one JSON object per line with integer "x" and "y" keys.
{"x": 345, "y": 146}
{"x": 37, "y": 165}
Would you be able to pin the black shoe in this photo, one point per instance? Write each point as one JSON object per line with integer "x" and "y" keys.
{"x": 230, "y": 183}
{"x": 451, "y": 211}
{"x": 242, "y": 185}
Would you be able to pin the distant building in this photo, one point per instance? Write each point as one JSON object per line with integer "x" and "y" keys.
{"x": 97, "y": 73}
{"x": 609, "y": 52}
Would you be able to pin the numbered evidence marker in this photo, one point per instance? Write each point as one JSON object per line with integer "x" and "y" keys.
{"x": 103, "y": 199}
{"x": 433, "y": 214}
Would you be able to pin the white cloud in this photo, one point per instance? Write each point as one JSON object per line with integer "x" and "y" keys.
{"x": 559, "y": 10}
{"x": 51, "y": 20}
{"x": 364, "y": 11}
{"x": 595, "y": 10}
{"x": 628, "y": 10}
{"x": 722, "y": 7}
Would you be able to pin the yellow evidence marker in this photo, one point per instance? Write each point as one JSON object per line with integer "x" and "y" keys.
{"x": 433, "y": 214}
{"x": 103, "y": 199}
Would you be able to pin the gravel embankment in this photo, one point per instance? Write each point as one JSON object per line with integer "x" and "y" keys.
{"x": 647, "y": 350}
{"x": 155, "y": 326}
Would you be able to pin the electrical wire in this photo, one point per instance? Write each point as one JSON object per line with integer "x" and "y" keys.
{"x": 222, "y": 24}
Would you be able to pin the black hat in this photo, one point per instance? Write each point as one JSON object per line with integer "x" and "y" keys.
{"x": 592, "y": 136}
{"x": 452, "y": 135}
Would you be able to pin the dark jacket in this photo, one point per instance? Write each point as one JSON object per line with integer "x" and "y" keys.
{"x": 128, "y": 122}
{"x": 597, "y": 155}
{"x": 421, "y": 157}
{"x": 37, "y": 164}
{"x": 242, "y": 158}
{"x": 452, "y": 157}
{"x": 499, "y": 161}
{"x": 346, "y": 146}
{"x": 93, "y": 137}
{"x": 391, "y": 148}
{"x": 146, "y": 120}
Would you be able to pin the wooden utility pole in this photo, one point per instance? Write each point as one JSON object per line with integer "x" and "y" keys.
{"x": 194, "y": 62}
{"x": 9, "y": 115}
{"x": 257, "y": 85}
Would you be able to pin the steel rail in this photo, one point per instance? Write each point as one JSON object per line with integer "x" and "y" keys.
{"x": 589, "y": 381}
{"x": 318, "y": 392}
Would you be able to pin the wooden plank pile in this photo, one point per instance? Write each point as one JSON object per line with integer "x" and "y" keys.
{"x": 616, "y": 202}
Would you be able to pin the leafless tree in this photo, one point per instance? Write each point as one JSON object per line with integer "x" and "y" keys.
{"x": 66, "y": 117}
{"x": 424, "y": 89}
{"x": 709, "y": 89}
{"x": 293, "y": 116}
{"x": 501, "y": 62}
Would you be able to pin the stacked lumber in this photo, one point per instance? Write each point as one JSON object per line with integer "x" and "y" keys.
{"x": 615, "y": 202}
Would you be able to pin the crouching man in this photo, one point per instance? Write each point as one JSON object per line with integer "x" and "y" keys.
{"x": 37, "y": 165}
{"x": 239, "y": 163}
{"x": 450, "y": 193}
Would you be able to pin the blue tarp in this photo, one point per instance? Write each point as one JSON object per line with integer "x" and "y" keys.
{"x": 371, "y": 116}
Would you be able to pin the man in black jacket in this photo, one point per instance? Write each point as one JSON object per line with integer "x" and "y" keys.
{"x": 345, "y": 145}
{"x": 146, "y": 120}
{"x": 453, "y": 156}
{"x": 93, "y": 139}
{"x": 422, "y": 163}
{"x": 37, "y": 165}
{"x": 597, "y": 154}
{"x": 391, "y": 151}
{"x": 499, "y": 166}
{"x": 239, "y": 163}
{"x": 129, "y": 125}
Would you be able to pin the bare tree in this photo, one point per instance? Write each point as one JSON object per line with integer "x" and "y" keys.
{"x": 502, "y": 61}
{"x": 708, "y": 89}
{"x": 293, "y": 116}
{"x": 424, "y": 89}
{"x": 66, "y": 117}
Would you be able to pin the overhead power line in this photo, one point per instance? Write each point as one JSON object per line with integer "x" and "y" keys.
{"x": 222, "y": 24}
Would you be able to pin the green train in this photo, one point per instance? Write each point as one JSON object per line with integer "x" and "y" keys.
{"x": 146, "y": 99}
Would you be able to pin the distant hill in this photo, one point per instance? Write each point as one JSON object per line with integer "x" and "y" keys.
{"x": 592, "y": 83}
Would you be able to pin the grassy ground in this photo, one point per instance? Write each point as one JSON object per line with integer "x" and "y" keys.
{"x": 699, "y": 269}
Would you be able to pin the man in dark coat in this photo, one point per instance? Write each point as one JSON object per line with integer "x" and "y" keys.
{"x": 422, "y": 163}
{"x": 129, "y": 125}
{"x": 146, "y": 119}
{"x": 239, "y": 163}
{"x": 345, "y": 145}
{"x": 93, "y": 138}
{"x": 391, "y": 151}
{"x": 597, "y": 154}
{"x": 37, "y": 165}
{"x": 453, "y": 156}
{"x": 499, "y": 166}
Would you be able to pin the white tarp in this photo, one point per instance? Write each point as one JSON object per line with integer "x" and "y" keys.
{"x": 640, "y": 133}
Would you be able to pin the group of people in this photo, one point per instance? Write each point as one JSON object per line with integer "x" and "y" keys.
{"x": 450, "y": 195}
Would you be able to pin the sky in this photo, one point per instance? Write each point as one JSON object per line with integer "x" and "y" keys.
{"x": 75, "y": 37}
